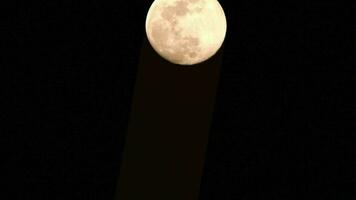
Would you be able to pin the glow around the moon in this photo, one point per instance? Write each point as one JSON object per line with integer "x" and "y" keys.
{"x": 186, "y": 32}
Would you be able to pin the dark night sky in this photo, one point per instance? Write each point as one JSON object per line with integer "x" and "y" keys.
{"x": 284, "y": 122}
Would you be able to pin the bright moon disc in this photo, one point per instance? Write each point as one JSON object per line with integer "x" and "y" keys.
{"x": 186, "y": 32}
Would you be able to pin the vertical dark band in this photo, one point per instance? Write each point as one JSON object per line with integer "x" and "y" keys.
{"x": 168, "y": 130}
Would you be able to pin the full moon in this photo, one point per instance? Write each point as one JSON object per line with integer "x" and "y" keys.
{"x": 186, "y": 32}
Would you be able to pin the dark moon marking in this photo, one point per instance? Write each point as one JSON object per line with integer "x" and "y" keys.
{"x": 184, "y": 47}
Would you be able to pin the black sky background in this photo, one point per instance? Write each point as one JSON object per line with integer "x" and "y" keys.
{"x": 284, "y": 121}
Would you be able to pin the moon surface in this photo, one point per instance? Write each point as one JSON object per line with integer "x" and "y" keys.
{"x": 186, "y": 32}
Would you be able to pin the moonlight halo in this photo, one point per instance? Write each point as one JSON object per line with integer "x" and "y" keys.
{"x": 186, "y": 32}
